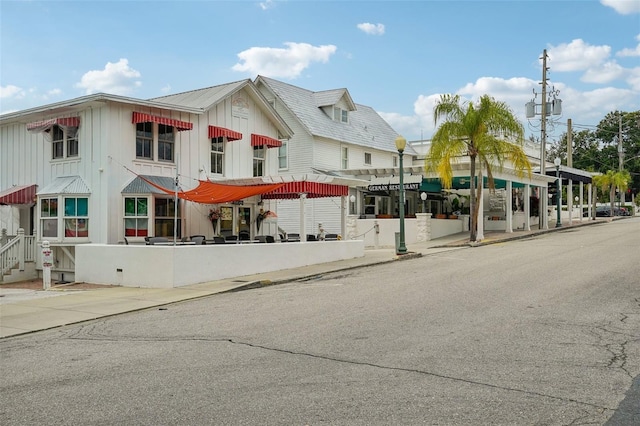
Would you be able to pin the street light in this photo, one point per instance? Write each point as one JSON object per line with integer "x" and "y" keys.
{"x": 401, "y": 143}
{"x": 557, "y": 162}
{"x": 423, "y": 197}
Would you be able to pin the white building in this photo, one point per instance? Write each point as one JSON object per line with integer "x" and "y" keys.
{"x": 93, "y": 169}
{"x": 331, "y": 135}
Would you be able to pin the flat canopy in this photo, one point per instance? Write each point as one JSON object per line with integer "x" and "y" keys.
{"x": 566, "y": 173}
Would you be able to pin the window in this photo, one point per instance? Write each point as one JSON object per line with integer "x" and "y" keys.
{"x": 57, "y": 139}
{"x": 76, "y": 217}
{"x": 340, "y": 114}
{"x": 144, "y": 140}
{"x": 64, "y": 142}
{"x": 164, "y": 218}
{"x": 49, "y": 217}
{"x": 395, "y": 161}
{"x": 217, "y": 155}
{"x": 136, "y": 216}
{"x": 166, "y": 142}
{"x": 258, "y": 160}
{"x": 72, "y": 142}
{"x": 367, "y": 158}
{"x": 345, "y": 157}
{"x": 282, "y": 156}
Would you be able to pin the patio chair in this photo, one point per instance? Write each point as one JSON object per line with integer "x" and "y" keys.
{"x": 198, "y": 239}
{"x": 293, "y": 237}
{"x": 331, "y": 237}
{"x": 270, "y": 239}
{"x": 260, "y": 239}
{"x": 218, "y": 240}
{"x": 244, "y": 236}
{"x": 155, "y": 240}
{"x": 233, "y": 238}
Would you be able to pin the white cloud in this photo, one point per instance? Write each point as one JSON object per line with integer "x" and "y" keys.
{"x": 166, "y": 89}
{"x": 604, "y": 73}
{"x": 11, "y": 91}
{"x": 409, "y": 126}
{"x": 584, "y": 107}
{"x": 264, "y": 5}
{"x": 374, "y": 29}
{"x": 284, "y": 63}
{"x": 623, "y": 7}
{"x": 118, "y": 79}
{"x": 517, "y": 89}
{"x": 630, "y": 52}
{"x": 577, "y": 55}
{"x": 633, "y": 78}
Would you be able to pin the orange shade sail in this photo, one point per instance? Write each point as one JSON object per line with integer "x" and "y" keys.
{"x": 216, "y": 193}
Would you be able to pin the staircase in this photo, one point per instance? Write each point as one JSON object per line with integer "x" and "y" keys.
{"x": 17, "y": 257}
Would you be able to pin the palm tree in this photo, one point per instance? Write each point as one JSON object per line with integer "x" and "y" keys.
{"x": 612, "y": 180}
{"x": 485, "y": 131}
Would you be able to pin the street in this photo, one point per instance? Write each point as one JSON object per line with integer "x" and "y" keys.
{"x": 540, "y": 331}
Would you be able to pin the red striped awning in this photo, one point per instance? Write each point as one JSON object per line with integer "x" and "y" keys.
{"x": 22, "y": 194}
{"x": 41, "y": 126}
{"x": 218, "y": 132}
{"x": 292, "y": 190}
{"x": 260, "y": 140}
{"x": 140, "y": 117}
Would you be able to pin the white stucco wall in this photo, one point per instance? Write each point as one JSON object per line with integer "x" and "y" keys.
{"x": 167, "y": 266}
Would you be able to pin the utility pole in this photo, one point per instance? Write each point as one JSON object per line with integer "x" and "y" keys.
{"x": 556, "y": 109}
{"x": 543, "y": 112}
{"x": 620, "y": 156}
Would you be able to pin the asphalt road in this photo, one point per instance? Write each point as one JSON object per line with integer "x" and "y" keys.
{"x": 544, "y": 331}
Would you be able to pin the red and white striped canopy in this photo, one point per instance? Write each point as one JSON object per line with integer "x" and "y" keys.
{"x": 41, "y": 126}
{"x": 218, "y": 132}
{"x": 22, "y": 194}
{"x": 140, "y": 117}
{"x": 291, "y": 190}
{"x": 260, "y": 140}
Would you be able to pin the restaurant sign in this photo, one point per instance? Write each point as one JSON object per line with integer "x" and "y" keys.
{"x": 393, "y": 187}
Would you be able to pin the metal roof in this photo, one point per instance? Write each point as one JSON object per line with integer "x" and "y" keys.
{"x": 207, "y": 98}
{"x": 139, "y": 186}
{"x": 365, "y": 127}
{"x": 66, "y": 185}
{"x": 203, "y": 98}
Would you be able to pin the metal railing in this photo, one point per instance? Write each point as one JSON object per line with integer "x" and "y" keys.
{"x": 15, "y": 251}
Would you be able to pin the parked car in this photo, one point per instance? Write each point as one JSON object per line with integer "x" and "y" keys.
{"x": 605, "y": 211}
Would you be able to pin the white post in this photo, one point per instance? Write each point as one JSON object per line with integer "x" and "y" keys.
{"x": 589, "y": 201}
{"x": 509, "y": 208}
{"x": 21, "y": 248}
{"x": 570, "y": 200}
{"x": 303, "y": 225}
{"x": 47, "y": 263}
{"x": 480, "y": 231}
{"x": 580, "y": 213}
{"x": 527, "y": 207}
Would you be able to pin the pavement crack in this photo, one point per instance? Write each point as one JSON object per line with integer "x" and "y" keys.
{"x": 422, "y": 372}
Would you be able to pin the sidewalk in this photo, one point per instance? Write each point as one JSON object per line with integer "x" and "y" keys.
{"x": 24, "y": 311}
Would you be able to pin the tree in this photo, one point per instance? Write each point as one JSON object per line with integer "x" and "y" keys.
{"x": 612, "y": 180}
{"x": 487, "y": 132}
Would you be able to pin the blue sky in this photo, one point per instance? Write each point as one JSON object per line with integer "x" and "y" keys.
{"x": 395, "y": 56}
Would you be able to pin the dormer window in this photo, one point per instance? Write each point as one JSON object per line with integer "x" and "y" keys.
{"x": 340, "y": 114}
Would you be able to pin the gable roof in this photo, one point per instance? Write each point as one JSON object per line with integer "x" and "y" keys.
{"x": 77, "y": 104}
{"x": 207, "y": 98}
{"x": 365, "y": 127}
{"x": 332, "y": 97}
